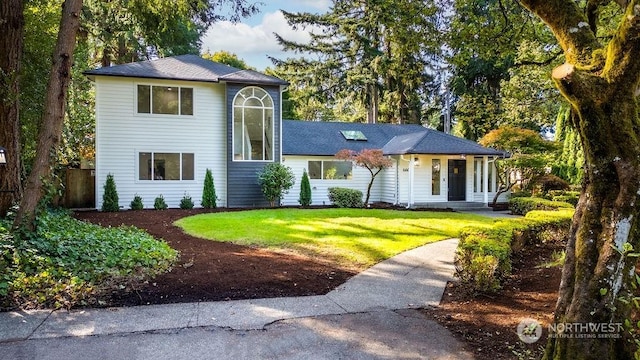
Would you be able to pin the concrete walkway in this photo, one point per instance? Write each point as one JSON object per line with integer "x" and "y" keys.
{"x": 371, "y": 316}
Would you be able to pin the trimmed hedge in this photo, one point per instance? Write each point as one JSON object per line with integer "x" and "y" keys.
{"x": 345, "y": 198}
{"x": 483, "y": 256}
{"x": 523, "y": 205}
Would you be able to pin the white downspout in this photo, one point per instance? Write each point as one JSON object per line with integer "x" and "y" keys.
{"x": 397, "y": 182}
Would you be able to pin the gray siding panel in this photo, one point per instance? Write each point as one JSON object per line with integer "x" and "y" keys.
{"x": 242, "y": 185}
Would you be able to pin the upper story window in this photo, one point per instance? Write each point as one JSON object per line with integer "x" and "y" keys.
{"x": 169, "y": 100}
{"x": 253, "y": 125}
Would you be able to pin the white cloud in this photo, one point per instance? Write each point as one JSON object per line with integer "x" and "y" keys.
{"x": 253, "y": 43}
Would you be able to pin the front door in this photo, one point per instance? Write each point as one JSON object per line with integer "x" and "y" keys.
{"x": 457, "y": 180}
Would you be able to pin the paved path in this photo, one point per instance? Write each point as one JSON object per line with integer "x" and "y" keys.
{"x": 371, "y": 316}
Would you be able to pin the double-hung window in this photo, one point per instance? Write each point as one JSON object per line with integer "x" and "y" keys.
{"x": 157, "y": 166}
{"x": 168, "y": 100}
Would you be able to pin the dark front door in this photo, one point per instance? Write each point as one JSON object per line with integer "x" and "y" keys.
{"x": 457, "y": 180}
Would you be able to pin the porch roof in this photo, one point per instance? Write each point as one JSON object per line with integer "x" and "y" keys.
{"x": 436, "y": 142}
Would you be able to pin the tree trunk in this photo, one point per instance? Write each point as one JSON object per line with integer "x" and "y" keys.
{"x": 11, "y": 43}
{"x": 53, "y": 117}
{"x": 596, "y": 274}
{"x": 600, "y": 83}
{"x": 373, "y": 103}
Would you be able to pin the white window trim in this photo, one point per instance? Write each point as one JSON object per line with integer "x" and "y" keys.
{"x": 152, "y": 180}
{"x": 322, "y": 170}
{"x": 233, "y": 127}
{"x": 150, "y": 113}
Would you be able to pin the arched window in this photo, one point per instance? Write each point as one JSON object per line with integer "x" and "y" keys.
{"x": 253, "y": 125}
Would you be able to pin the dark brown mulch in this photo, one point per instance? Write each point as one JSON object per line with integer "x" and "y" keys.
{"x": 487, "y": 323}
{"x": 211, "y": 271}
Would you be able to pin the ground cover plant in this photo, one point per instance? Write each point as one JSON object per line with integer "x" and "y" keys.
{"x": 69, "y": 262}
{"x": 358, "y": 237}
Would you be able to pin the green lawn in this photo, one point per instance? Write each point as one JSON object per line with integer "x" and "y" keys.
{"x": 352, "y": 237}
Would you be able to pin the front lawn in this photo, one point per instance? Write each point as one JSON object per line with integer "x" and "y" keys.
{"x": 353, "y": 237}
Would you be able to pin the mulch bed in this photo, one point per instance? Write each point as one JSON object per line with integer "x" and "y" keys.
{"x": 212, "y": 271}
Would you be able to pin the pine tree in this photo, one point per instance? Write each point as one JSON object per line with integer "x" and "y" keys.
{"x": 110, "y": 196}
{"x": 305, "y": 190}
{"x": 209, "y": 198}
{"x": 372, "y": 59}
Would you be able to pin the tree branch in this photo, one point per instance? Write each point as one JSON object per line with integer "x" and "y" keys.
{"x": 570, "y": 26}
{"x": 624, "y": 49}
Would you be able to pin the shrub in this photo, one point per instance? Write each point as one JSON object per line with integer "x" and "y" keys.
{"x": 209, "y": 198}
{"x": 275, "y": 180}
{"x": 345, "y": 198}
{"x": 483, "y": 256}
{"x": 305, "y": 190}
{"x": 136, "y": 203}
{"x": 110, "y": 196}
{"x": 186, "y": 202}
{"x": 159, "y": 203}
{"x": 521, "y": 206}
{"x": 515, "y": 194}
{"x": 571, "y": 199}
{"x": 68, "y": 262}
{"x": 548, "y": 182}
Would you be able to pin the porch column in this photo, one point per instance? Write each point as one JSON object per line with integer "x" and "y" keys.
{"x": 485, "y": 179}
{"x": 411, "y": 170}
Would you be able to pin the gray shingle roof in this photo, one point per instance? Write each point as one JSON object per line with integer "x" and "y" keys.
{"x": 188, "y": 68}
{"x": 325, "y": 139}
{"x": 435, "y": 142}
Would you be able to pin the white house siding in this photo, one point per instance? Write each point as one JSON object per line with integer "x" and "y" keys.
{"x": 319, "y": 187}
{"x": 387, "y": 182}
{"x": 121, "y": 133}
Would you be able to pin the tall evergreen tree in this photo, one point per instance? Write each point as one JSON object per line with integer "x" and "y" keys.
{"x": 375, "y": 56}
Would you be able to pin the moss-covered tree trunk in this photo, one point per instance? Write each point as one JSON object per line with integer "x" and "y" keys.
{"x": 601, "y": 83}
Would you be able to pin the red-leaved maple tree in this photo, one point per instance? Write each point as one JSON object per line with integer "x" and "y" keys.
{"x": 370, "y": 159}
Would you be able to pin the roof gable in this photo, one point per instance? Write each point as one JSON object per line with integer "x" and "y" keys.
{"x": 186, "y": 68}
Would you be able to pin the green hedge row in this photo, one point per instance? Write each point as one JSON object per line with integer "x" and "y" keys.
{"x": 523, "y": 205}
{"x": 483, "y": 256}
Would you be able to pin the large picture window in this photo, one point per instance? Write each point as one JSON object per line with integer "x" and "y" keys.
{"x": 169, "y": 100}
{"x": 331, "y": 170}
{"x": 158, "y": 166}
{"x": 253, "y": 125}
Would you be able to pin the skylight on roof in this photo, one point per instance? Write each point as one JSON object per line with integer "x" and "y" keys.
{"x": 355, "y": 135}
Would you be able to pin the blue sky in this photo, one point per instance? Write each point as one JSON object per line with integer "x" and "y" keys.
{"x": 252, "y": 39}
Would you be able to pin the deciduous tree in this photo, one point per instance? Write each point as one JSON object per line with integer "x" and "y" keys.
{"x": 371, "y": 159}
{"x": 601, "y": 80}
{"x": 526, "y": 155}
